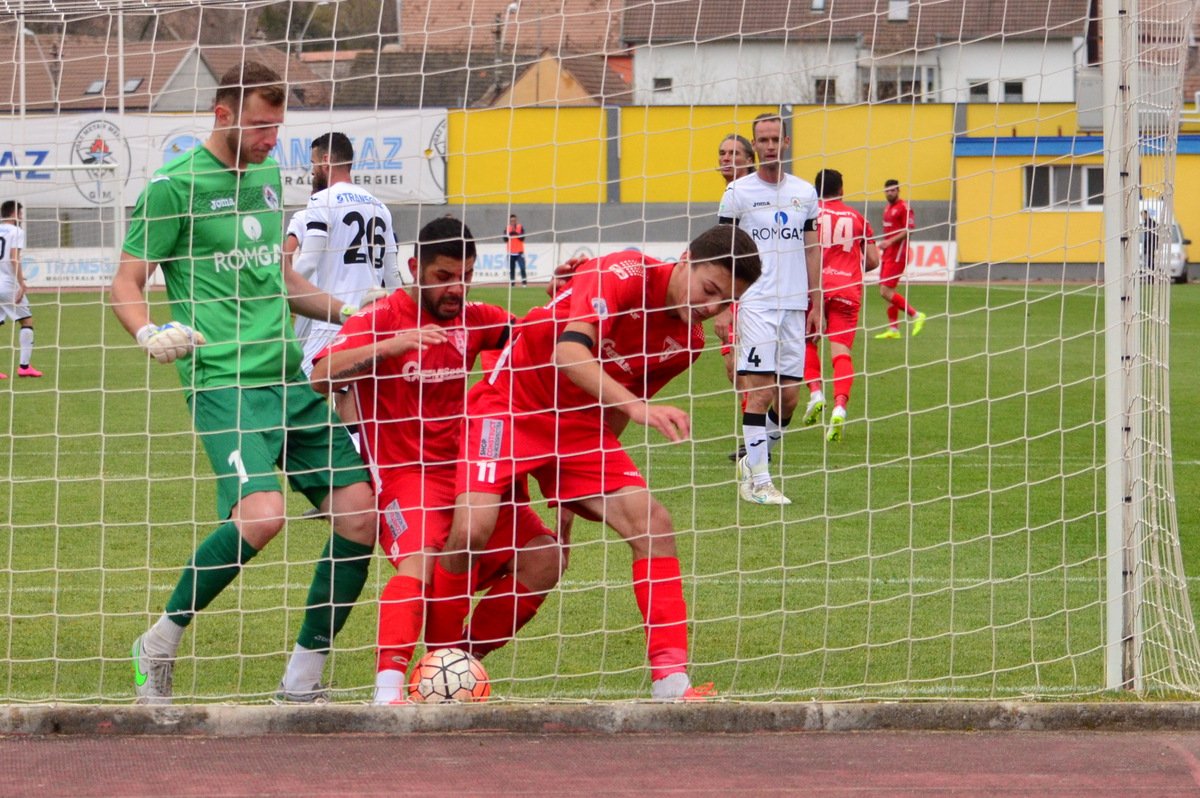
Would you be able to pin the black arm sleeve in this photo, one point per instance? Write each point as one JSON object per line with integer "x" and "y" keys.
{"x": 576, "y": 337}
{"x": 810, "y": 225}
{"x": 726, "y": 220}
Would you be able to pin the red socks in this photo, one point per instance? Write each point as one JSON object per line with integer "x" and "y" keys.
{"x": 812, "y": 366}
{"x": 500, "y": 614}
{"x": 401, "y": 614}
{"x": 658, "y": 588}
{"x": 449, "y": 603}
{"x": 843, "y": 378}
{"x": 899, "y": 304}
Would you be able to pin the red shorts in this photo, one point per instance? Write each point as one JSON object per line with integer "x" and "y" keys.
{"x": 841, "y": 318}
{"x": 416, "y": 507}
{"x": 890, "y": 271}
{"x": 572, "y": 455}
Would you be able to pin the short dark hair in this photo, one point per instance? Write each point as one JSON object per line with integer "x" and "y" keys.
{"x": 447, "y": 236}
{"x": 890, "y": 183}
{"x": 730, "y": 247}
{"x": 10, "y": 208}
{"x": 828, "y": 183}
{"x": 768, "y": 117}
{"x": 338, "y": 145}
{"x": 250, "y": 77}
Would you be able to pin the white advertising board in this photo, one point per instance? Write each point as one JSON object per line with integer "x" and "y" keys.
{"x": 400, "y": 156}
{"x": 928, "y": 262}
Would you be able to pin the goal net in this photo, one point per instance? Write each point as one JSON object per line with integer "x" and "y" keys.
{"x": 995, "y": 518}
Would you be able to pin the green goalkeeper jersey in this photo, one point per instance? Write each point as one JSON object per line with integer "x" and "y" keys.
{"x": 217, "y": 234}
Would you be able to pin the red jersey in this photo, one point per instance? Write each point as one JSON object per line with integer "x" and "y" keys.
{"x": 897, "y": 216}
{"x": 843, "y": 233}
{"x": 413, "y": 406}
{"x": 642, "y": 343}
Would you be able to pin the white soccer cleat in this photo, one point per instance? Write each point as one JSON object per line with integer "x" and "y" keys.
{"x": 765, "y": 493}
{"x": 743, "y": 470}
{"x": 152, "y": 676}
{"x": 812, "y": 413}
{"x": 835, "y": 425}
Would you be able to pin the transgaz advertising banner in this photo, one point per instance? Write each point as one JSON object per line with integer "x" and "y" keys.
{"x": 89, "y": 160}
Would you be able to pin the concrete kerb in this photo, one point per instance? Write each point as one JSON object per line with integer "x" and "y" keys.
{"x": 722, "y": 717}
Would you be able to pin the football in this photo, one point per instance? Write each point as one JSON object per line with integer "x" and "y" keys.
{"x": 448, "y": 674}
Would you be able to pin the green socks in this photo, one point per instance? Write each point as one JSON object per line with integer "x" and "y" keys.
{"x": 340, "y": 575}
{"x": 217, "y": 562}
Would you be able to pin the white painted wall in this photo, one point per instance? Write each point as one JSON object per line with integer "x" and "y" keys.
{"x": 771, "y": 72}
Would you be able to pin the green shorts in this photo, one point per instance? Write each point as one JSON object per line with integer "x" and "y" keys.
{"x": 248, "y": 432}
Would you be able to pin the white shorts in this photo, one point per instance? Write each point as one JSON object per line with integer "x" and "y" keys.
{"x": 8, "y": 308}
{"x": 771, "y": 342}
{"x": 319, "y": 336}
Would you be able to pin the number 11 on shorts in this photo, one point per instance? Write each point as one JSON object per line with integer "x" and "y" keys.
{"x": 487, "y": 471}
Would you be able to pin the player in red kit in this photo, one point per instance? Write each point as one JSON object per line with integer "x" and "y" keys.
{"x": 847, "y": 243}
{"x": 898, "y": 220}
{"x": 407, "y": 358}
{"x": 577, "y": 370}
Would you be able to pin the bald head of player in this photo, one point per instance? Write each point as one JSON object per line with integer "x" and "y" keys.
{"x": 718, "y": 266}
{"x": 443, "y": 267}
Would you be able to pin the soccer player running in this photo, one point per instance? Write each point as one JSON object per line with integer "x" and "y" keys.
{"x": 14, "y": 299}
{"x": 407, "y": 359}
{"x": 898, "y": 220}
{"x": 348, "y": 249}
{"x": 577, "y": 371}
{"x": 847, "y": 242}
{"x": 212, "y": 220}
{"x": 779, "y": 211}
{"x": 735, "y": 159}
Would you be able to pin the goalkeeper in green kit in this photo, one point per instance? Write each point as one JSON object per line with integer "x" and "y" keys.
{"x": 212, "y": 219}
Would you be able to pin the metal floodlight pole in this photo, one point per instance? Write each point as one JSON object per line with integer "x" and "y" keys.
{"x": 1122, "y": 644}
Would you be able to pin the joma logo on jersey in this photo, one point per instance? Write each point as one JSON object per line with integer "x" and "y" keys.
{"x": 221, "y": 203}
{"x": 238, "y": 259}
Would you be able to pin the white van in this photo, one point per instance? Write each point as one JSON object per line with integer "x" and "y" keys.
{"x": 1171, "y": 245}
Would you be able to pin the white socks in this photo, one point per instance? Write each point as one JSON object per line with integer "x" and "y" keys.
{"x": 669, "y": 687}
{"x": 304, "y": 669}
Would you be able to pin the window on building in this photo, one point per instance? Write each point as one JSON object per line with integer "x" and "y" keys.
{"x": 1063, "y": 187}
{"x": 909, "y": 83}
{"x": 818, "y": 5}
{"x": 663, "y": 84}
{"x": 825, "y": 90}
{"x": 133, "y": 84}
{"x": 95, "y": 87}
{"x": 897, "y": 10}
{"x": 1014, "y": 91}
{"x": 977, "y": 91}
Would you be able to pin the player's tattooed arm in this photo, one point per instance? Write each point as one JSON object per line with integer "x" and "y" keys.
{"x": 342, "y": 367}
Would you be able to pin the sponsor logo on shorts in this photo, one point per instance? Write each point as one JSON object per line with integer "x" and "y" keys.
{"x": 393, "y": 516}
{"x": 490, "y": 440}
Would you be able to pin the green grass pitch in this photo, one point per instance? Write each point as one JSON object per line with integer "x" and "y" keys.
{"x": 948, "y": 547}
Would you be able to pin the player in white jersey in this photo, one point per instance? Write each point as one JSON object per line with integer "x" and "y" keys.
{"x": 348, "y": 247}
{"x": 779, "y": 211}
{"x": 14, "y": 304}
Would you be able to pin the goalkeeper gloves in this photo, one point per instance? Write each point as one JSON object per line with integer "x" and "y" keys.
{"x": 170, "y": 341}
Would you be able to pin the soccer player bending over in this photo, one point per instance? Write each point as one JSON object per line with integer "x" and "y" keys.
{"x": 406, "y": 358}
{"x": 212, "y": 219}
{"x": 577, "y": 370}
{"x": 847, "y": 240}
